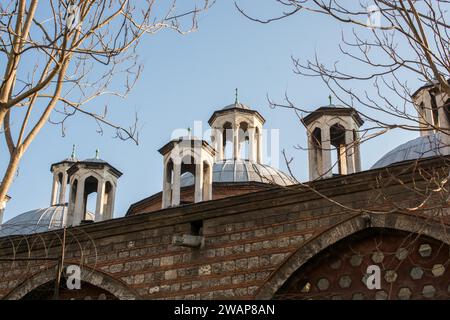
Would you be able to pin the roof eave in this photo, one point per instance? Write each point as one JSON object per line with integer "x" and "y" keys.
{"x": 220, "y": 112}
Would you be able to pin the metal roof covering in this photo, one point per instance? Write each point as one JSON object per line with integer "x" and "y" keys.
{"x": 243, "y": 171}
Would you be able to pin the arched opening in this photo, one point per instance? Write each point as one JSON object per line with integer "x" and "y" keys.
{"x": 244, "y": 141}
{"x": 337, "y": 140}
{"x": 188, "y": 167}
{"x": 434, "y": 110}
{"x": 90, "y": 198}
{"x": 60, "y": 187}
{"x": 316, "y": 152}
{"x": 90, "y": 278}
{"x": 87, "y": 291}
{"x": 227, "y": 135}
{"x": 422, "y": 113}
{"x": 168, "y": 182}
{"x": 412, "y": 266}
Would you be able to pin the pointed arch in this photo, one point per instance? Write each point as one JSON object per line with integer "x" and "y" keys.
{"x": 308, "y": 250}
{"x": 94, "y": 277}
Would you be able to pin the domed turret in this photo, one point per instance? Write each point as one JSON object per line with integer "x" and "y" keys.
{"x": 433, "y": 108}
{"x": 86, "y": 177}
{"x": 60, "y": 178}
{"x": 187, "y": 154}
{"x": 333, "y": 128}
{"x": 236, "y": 124}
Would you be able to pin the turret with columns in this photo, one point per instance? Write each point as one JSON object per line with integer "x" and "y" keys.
{"x": 60, "y": 179}
{"x": 333, "y": 129}
{"x": 86, "y": 177}
{"x": 433, "y": 108}
{"x": 187, "y": 154}
{"x": 236, "y": 124}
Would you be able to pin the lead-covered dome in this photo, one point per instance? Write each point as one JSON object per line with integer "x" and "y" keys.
{"x": 236, "y": 105}
{"x": 35, "y": 221}
{"x": 243, "y": 171}
{"x": 422, "y": 147}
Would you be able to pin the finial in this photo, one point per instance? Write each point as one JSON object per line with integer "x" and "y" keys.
{"x": 96, "y": 153}
{"x": 72, "y": 156}
{"x": 330, "y": 97}
{"x": 189, "y": 131}
{"x": 236, "y": 96}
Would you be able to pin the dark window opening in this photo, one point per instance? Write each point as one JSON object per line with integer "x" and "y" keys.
{"x": 197, "y": 228}
{"x": 435, "y": 111}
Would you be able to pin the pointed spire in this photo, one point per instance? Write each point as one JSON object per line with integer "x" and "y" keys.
{"x": 189, "y": 131}
{"x": 97, "y": 154}
{"x": 72, "y": 156}
{"x": 236, "y": 101}
{"x": 330, "y": 98}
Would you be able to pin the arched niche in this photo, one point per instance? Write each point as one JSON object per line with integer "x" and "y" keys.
{"x": 407, "y": 227}
{"x": 40, "y": 284}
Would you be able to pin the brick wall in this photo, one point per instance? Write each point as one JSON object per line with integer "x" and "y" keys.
{"x": 220, "y": 191}
{"x": 247, "y": 239}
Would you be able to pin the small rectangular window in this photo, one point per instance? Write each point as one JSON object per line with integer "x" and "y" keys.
{"x": 197, "y": 228}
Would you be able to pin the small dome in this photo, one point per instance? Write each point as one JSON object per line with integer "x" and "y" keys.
{"x": 243, "y": 171}
{"x": 35, "y": 221}
{"x": 237, "y": 105}
{"x": 189, "y": 137}
{"x": 70, "y": 159}
{"x": 94, "y": 160}
{"x": 422, "y": 147}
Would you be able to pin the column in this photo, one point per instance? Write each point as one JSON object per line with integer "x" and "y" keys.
{"x": 209, "y": 182}
{"x": 109, "y": 211}
{"x": 357, "y": 157}
{"x": 357, "y": 152}
{"x": 167, "y": 192}
{"x": 313, "y": 161}
{"x": 176, "y": 184}
{"x": 327, "y": 170}
{"x": 444, "y": 125}
{"x": 350, "y": 151}
{"x": 71, "y": 207}
{"x": 79, "y": 204}
{"x": 100, "y": 205}
{"x": 236, "y": 142}
{"x": 54, "y": 189}
{"x": 259, "y": 147}
{"x": 199, "y": 181}
{"x": 62, "y": 190}
{"x": 251, "y": 145}
{"x": 342, "y": 154}
{"x": 219, "y": 144}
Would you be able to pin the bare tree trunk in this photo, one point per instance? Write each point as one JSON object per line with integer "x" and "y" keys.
{"x": 72, "y": 43}
{"x": 8, "y": 176}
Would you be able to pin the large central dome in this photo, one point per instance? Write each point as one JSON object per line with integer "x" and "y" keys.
{"x": 243, "y": 171}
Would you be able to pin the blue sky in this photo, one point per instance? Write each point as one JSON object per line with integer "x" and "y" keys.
{"x": 185, "y": 79}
